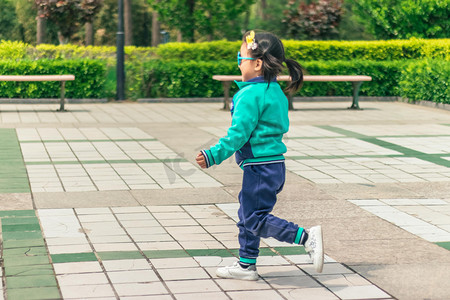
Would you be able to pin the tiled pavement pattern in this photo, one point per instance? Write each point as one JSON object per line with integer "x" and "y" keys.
{"x": 156, "y": 252}
{"x": 426, "y": 218}
{"x": 101, "y": 159}
{"x": 362, "y": 154}
{"x": 151, "y": 252}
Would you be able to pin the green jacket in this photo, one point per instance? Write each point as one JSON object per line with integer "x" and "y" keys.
{"x": 259, "y": 120}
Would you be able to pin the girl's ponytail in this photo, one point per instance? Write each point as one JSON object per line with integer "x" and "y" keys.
{"x": 296, "y": 73}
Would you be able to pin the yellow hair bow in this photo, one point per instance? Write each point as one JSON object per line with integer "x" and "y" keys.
{"x": 251, "y": 43}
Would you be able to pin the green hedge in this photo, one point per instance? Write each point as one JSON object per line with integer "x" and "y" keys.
{"x": 19, "y": 50}
{"x": 426, "y": 80}
{"x": 89, "y": 78}
{"x": 416, "y": 80}
{"x": 225, "y": 50}
{"x": 194, "y": 79}
{"x": 315, "y": 50}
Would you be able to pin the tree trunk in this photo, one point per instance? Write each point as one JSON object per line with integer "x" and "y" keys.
{"x": 40, "y": 29}
{"x": 191, "y": 7}
{"x": 155, "y": 29}
{"x": 62, "y": 39}
{"x": 263, "y": 9}
{"x": 128, "y": 23}
{"x": 89, "y": 38}
{"x": 247, "y": 18}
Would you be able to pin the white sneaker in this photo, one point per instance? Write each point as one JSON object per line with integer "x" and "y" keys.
{"x": 235, "y": 271}
{"x": 314, "y": 247}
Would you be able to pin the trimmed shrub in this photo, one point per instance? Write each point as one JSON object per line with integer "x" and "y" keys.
{"x": 426, "y": 80}
{"x": 183, "y": 78}
{"x": 194, "y": 79}
{"x": 315, "y": 50}
{"x": 89, "y": 78}
{"x": 13, "y": 50}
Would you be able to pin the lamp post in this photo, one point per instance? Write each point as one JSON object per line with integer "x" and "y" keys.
{"x": 120, "y": 69}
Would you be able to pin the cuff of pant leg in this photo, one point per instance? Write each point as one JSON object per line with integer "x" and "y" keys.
{"x": 298, "y": 237}
{"x": 247, "y": 260}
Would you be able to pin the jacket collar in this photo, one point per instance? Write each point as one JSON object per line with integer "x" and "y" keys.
{"x": 259, "y": 79}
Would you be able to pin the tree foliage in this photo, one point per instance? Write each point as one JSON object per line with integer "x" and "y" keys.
{"x": 316, "y": 20}
{"x": 106, "y": 23}
{"x": 9, "y": 27}
{"x": 68, "y": 15}
{"x": 398, "y": 19}
{"x": 209, "y": 19}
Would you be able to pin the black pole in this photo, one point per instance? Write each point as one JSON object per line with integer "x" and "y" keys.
{"x": 120, "y": 55}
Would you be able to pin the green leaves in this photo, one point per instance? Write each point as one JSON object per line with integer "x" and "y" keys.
{"x": 426, "y": 80}
{"x": 404, "y": 18}
{"x": 89, "y": 78}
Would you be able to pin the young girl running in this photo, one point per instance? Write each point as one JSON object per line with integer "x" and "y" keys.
{"x": 259, "y": 120}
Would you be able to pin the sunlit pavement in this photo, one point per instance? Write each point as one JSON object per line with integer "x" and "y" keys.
{"x": 105, "y": 201}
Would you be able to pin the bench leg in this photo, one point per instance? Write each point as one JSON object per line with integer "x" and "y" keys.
{"x": 290, "y": 97}
{"x": 356, "y": 87}
{"x": 63, "y": 93}
{"x": 226, "y": 97}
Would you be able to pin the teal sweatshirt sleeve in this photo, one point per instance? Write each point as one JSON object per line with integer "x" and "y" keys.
{"x": 245, "y": 119}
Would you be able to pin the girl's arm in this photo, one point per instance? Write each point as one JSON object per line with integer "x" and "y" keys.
{"x": 245, "y": 119}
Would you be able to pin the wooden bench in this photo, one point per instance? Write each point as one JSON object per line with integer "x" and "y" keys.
{"x": 356, "y": 81}
{"x": 61, "y": 78}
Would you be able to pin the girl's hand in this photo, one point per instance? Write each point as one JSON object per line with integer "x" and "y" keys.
{"x": 201, "y": 160}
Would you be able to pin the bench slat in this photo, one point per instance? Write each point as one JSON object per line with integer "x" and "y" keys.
{"x": 37, "y": 77}
{"x": 312, "y": 78}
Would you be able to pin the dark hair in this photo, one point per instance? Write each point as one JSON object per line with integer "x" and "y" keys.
{"x": 271, "y": 51}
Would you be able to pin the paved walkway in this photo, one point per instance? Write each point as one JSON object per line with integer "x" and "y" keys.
{"x": 106, "y": 202}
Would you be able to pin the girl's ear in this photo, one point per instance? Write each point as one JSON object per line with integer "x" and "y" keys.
{"x": 258, "y": 65}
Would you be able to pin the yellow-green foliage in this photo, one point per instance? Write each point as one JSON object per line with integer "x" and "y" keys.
{"x": 13, "y": 50}
{"x": 316, "y": 50}
{"x": 20, "y": 50}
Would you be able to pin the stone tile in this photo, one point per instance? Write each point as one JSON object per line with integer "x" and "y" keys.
{"x": 342, "y": 280}
{"x": 33, "y": 293}
{"x": 292, "y": 282}
{"x": 159, "y": 246}
{"x": 174, "y": 263}
{"x": 245, "y": 295}
{"x": 99, "y": 239}
{"x": 279, "y": 271}
{"x": 215, "y": 261}
{"x": 59, "y": 241}
{"x": 115, "y": 247}
{"x": 192, "y": 286}
{"x": 359, "y": 292}
{"x": 171, "y": 215}
{"x": 135, "y": 216}
{"x": 242, "y": 285}
{"x": 69, "y": 249}
{"x": 140, "y": 289}
{"x": 137, "y": 276}
{"x": 82, "y": 279}
{"x": 77, "y": 267}
{"x": 87, "y": 291}
{"x": 328, "y": 269}
{"x": 308, "y": 293}
{"x": 183, "y": 274}
{"x": 148, "y": 223}
{"x": 208, "y": 244}
{"x": 157, "y": 297}
{"x": 129, "y": 209}
{"x": 93, "y": 211}
{"x": 272, "y": 261}
{"x": 126, "y": 265}
{"x": 195, "y": 296}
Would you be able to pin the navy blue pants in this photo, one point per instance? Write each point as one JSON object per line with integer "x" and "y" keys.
{"x": 260, "y": 186}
